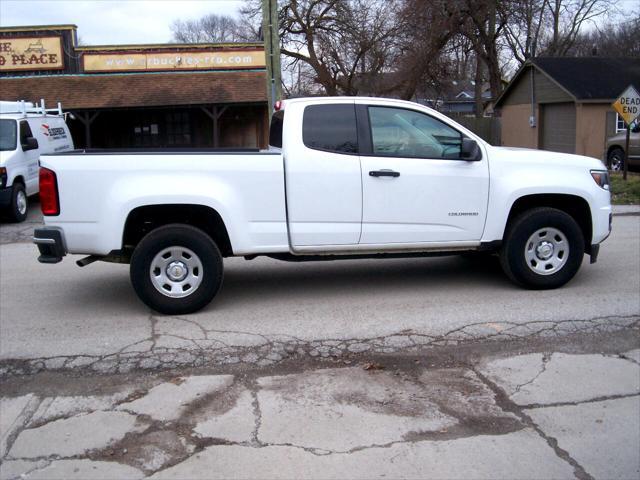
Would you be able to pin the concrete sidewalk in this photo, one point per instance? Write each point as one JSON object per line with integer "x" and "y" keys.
{"x": 545, "y": 414}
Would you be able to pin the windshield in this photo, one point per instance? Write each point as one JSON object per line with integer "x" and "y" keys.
{"x": 8, "y": 135}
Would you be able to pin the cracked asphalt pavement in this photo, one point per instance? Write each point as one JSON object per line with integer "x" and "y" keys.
{"x": 416, "y": 368}
{"x": 65, "y": 317}
{"x": 559, "y": 409}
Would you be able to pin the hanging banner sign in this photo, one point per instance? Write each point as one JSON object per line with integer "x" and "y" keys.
{"x": 124, "y": 62}
{"x": 30, "y": 53}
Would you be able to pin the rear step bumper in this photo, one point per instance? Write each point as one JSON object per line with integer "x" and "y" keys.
{"x": 50, "y": 242}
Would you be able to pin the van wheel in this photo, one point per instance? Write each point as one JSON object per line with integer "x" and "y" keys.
{"x": 176, "y": 269}
{"x": 543, "y": 249}
{"x": 19, "y": 203}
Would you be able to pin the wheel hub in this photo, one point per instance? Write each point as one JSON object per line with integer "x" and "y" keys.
{"x": 547, "y": 251}
{"x": 22, "y": 202}
{"x": 544, "y": 250}
{"x": 177, "y": 271}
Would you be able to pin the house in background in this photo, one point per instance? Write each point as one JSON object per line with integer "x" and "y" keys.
{"x": 563, "y": 104}
{"x": 454, "y": 98}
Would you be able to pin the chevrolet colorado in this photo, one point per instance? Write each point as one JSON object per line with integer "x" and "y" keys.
{"x": 343, "y": 178}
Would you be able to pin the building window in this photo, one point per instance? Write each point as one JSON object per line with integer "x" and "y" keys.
{"x": 178, "y": 128}
{"x": 621, "y": 126}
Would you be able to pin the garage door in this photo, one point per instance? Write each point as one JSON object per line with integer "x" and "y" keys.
{"x": 559, "y": 127}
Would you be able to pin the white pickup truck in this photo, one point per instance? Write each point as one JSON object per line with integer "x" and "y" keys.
{"x": 343, "y": 178}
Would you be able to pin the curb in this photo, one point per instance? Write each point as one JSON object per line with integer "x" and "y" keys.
{"x": 625, "y": 210}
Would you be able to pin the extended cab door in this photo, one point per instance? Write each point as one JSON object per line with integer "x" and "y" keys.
{"x": 416, "y": 186}
{"x": 322, "y": 172}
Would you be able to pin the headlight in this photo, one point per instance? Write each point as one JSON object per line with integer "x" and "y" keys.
{"x": 3, "y": 176}
{"x": 601, "y": 177}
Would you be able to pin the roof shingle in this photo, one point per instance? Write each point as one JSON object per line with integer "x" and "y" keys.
{"x": 138, "y": 90}
{"x": 592, "y": 78}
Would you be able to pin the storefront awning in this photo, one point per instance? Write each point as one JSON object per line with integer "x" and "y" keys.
{"x": 78, "y": 92}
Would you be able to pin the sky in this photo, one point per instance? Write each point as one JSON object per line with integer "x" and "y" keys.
{"x": 107, "y": 22}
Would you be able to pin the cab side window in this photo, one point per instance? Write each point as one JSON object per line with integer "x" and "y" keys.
{"x": 331, "y": 128}
{"x": 397, "y": 132}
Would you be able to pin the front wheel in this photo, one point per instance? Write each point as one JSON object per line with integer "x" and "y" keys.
{"x": 176, "y": 269}
{"x": 19, "y": 203}
{"x": 543, "y": 249}
{"x": 615, "y": 160}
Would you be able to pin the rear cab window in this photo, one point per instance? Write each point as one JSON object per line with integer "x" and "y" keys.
{"x": 330, "y": 128}
{"x": 275, "y": 131}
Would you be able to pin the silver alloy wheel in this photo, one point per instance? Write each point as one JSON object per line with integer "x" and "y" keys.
{"x": 546, "y": 251}
{"x": 176, "y": 272}
{"x": 21, "y": 202}
{"x": 616, "y": 162}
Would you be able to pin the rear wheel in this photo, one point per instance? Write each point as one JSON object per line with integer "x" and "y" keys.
{"x": 19, "y": 203}
{"x": 176, "y": 269}
{"x": 615, "y": 160}
{"x": 543, "y": 249}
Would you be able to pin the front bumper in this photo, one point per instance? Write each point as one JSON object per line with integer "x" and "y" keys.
{"x": 6, "y": 195}
{"x": 50, "y": 242}
{"x": 595, "y": 248}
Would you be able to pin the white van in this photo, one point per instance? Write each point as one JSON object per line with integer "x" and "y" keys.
{"x": 26, "y": 131}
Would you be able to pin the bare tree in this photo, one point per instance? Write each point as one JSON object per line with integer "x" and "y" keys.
{"x": 567, "y": 19}
{"x": 484, "y": 28}
{"x": 340, "y": 41}
{"x": 622, "y": 40}
{"x": 523, "y": 24}
{"x": 212, "y": 28}
{"x": 428, "y": 29}
{"x": 549, "y": 27}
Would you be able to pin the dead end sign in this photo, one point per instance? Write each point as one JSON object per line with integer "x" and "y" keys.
{"x": 628, "y": 105}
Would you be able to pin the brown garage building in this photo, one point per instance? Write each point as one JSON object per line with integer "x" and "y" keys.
{"x": 564, "y": 104}
{"x": 128, "y": 96}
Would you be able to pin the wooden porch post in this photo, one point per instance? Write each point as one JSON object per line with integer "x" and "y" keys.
{"x": 215, "y": 114}
{"x": 87, "y": 119}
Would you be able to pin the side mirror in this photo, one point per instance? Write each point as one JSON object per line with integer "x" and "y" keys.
{"x": 469, "y": 150}
{"x": 29, "y": 143}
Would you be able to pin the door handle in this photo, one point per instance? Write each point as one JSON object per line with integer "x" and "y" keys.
{"x": 384, "y": 173}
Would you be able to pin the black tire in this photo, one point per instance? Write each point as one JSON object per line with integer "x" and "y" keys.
{"x": 615, "y": 160}
{"x": 182, "y": 238}
{"x": 19, "y": 203}
{"x": 517, "y": 249}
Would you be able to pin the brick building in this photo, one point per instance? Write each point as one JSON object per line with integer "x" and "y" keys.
{"x": 128, "y": 96}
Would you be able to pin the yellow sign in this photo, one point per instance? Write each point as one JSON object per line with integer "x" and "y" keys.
{"x": 628, "y": 105}
{"x": 119, "y": 62}
{"x": 30, "y": 53}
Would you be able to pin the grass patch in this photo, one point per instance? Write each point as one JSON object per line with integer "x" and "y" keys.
{"x": 625, "y": 193}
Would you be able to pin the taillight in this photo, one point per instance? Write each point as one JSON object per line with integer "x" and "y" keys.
{"x": 49, "y": 201}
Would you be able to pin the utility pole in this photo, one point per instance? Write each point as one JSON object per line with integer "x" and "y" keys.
{"x": 272, "y": 51}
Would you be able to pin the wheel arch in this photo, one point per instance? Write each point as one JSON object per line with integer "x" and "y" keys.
{"x": 19, "y": 179}
{"x": 575, "y": 206}
{"x": 614, "y": 147}
{"x": 144, "y": 219}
